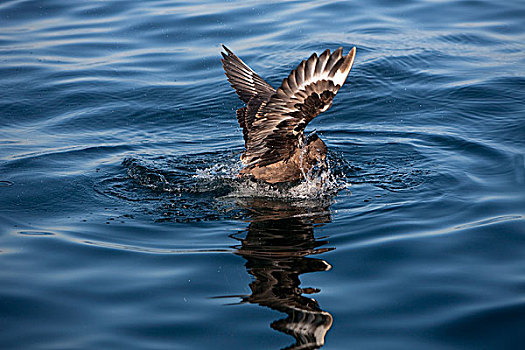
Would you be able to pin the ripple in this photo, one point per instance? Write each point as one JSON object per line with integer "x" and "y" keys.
{"x": 468, "y": 38}
{"x": 490, "y": 221}
{"x": 506, "y": 315}
{"x": 160, "y": 251}
{"x": 35, "y": 233}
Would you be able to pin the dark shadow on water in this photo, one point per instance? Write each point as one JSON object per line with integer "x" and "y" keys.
{"x": 277, "y": 246}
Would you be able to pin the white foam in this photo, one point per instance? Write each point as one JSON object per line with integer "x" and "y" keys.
{"x": 316, "y": 184}
{"x": 219, "y": 171}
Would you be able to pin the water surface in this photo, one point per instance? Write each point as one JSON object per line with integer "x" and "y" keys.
{"x": 122, "y": 224}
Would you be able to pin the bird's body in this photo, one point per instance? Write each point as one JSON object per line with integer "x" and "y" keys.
{"x": 273, "y": 121}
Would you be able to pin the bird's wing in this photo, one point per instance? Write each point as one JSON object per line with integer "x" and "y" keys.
{"x": 278, "y": 126}
{"x": 243, "y": 79}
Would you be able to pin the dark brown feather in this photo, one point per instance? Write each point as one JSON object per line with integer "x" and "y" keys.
{"x": 241, "y": 117}
{"x": 243, "y": 79}
{"x": 274, "y": 121}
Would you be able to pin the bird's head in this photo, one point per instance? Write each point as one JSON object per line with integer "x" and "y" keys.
{"x": 315, "y": 149}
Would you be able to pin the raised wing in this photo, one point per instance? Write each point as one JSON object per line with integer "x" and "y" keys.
{"x": 243, "y": 79}
{"x": 278, "y": 126}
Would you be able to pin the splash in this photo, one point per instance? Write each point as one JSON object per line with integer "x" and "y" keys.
{"x": 317, "y": 183}
{"x": 203, "y": 187}
{"x": 206, "y": 186}
{"x": 225, "y": 170}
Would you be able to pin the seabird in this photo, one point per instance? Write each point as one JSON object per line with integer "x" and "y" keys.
{"x": 273, "y": 121}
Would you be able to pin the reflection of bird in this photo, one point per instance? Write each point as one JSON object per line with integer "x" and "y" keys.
{"x": 277, "y": 243}
{"x": 273, "y": 121}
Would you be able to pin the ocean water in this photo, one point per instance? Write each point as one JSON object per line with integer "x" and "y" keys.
{"x": 123, "y": 226}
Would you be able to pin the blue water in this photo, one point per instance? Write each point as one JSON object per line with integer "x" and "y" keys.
{"x": 122, "y": 224}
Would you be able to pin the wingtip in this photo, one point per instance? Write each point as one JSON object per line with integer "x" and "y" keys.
{"x": 228, "y": 51}
{"x": 346, "y": 66}
{"x": 351, "y": 55}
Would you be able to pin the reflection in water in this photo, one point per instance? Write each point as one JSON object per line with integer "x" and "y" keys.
{"x": 276, "y": 244}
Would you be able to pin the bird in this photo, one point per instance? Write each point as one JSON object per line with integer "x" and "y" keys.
{"x": 273, "y": 121}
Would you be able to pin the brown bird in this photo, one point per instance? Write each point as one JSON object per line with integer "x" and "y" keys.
{"x": 273, "y": 121}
